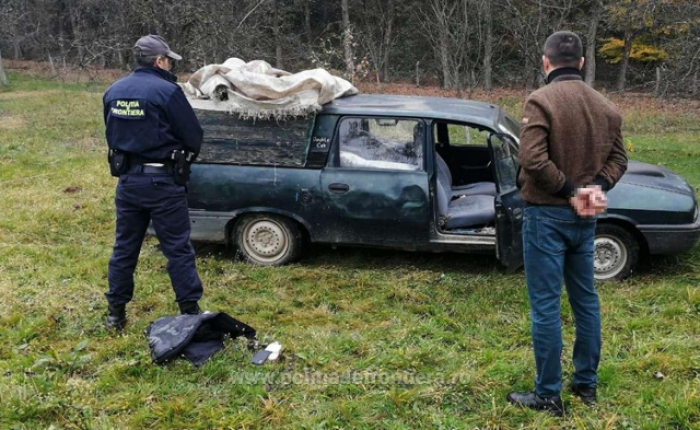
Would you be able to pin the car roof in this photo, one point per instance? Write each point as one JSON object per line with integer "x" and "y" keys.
{"x": 479, "y": 113}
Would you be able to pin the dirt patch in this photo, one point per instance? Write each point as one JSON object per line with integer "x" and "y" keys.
{"x": 25, "y": 94}
{"x": 649, "y": 104}
{"x": 627, "y": 102}
{"x": 73, "y": 190}
{"x": 11, "y": 122}
{"x": 66, "y": 73}
{"x": 403, "y": 88}
{"x": 630, "y": 101}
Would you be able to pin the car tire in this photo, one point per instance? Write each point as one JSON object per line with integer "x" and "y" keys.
{"x": 268, "y": 240}
{"x": 616, "y": 253}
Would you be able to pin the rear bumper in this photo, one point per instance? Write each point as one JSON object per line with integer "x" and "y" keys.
{"x": 671, "y": 239}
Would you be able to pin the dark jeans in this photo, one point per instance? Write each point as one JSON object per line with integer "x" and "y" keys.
{"x": 140, "y": 199}
{"x": 559, "y": 244}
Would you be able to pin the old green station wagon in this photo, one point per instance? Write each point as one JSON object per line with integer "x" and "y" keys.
{"x": 404, "y": 172}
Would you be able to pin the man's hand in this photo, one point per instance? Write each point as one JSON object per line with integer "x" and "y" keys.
{"x": 589, "y": 201}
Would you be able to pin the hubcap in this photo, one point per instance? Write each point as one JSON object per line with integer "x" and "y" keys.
{"x": 265, "y": 240}
{"x": 610, "y": 257}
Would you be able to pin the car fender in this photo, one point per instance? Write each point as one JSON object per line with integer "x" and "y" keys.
{"x": 618, "y": 217}
{"x": 235, "y": 215}
{"x": 628, "y": 223}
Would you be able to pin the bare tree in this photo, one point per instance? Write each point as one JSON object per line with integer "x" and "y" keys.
{"x": 632, "y": 18}
{"x": 488, "y": 44}
{"x": 388, "y": 36}
{"x": 591, "y": 35}
{"x": 530, "y": 23}
{"x": 452, "y": 30}
{"x": 375, "y": 31}
{"x": 307, "y": 22}
{"x": 347, "y": 39}
{"x": 460, "y": 42}
{"x": 436, "y": 25}
{"x": 3, "y": 76}
{"x": 624, "y": 63}
{"x": 276, "y": 30}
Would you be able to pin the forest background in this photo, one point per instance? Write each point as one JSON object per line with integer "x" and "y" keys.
{"x": 462, "y": 45}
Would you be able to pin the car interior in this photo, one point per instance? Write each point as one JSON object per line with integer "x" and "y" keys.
{"x": 465, "y": 185}
{"x": 384, "y": 144}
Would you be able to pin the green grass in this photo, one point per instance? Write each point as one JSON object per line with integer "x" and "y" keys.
{"x": 350, "y": 310}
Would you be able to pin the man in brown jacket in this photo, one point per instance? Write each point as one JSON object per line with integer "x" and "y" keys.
{"x": 571, "y": 153}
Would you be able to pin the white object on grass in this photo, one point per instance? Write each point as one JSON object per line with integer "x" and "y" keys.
{"x": 274, "y": 349}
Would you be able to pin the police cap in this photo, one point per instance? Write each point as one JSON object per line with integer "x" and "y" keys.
{"x": 154, "y": 46}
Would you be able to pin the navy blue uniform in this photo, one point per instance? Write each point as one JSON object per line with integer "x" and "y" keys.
{"x": 147, "y": 116}
{"x": 146, "y": 113}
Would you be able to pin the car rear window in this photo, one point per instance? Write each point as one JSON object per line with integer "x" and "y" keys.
{"x": 275, "y": 142}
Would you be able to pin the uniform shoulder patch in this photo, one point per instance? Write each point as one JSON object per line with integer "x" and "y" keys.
{"x": 128, "y": 109}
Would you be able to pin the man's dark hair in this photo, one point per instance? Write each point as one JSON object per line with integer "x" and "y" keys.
{"x": 564, "y": 49}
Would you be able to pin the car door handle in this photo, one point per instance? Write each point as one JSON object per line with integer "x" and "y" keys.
{"x": 339, "y": 188}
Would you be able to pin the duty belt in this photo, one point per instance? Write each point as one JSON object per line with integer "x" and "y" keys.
{"x": 152, "y": 169}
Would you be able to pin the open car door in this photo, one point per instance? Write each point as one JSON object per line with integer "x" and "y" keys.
{"x": 509, "y": 205}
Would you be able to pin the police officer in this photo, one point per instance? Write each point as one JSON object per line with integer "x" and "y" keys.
{"x": 152, "y": 134}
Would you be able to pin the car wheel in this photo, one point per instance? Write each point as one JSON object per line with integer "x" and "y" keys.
{"x": 616, "y": 253}
{"x": 268, "y": 240}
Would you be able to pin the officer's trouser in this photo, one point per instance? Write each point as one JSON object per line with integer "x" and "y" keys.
{"x": 140, "y": 199}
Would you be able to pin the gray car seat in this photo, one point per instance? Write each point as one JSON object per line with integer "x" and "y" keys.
{"x": 471, "y": 211}
{"x": 478, "y": 188}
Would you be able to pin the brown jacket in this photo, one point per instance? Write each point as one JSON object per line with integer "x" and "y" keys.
{"x": 570, "y": 137}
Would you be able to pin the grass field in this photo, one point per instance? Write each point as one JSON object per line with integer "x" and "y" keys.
{"x": 404, "y": 340}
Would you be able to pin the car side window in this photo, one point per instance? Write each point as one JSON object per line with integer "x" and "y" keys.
{"x": 382, "y": 143}
{"x": 229, "y": 139}
{"x": 462, "y": 135}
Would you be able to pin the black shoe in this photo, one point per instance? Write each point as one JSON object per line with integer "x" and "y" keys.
{"x": 586, "y": 394}
{"x": 116, "y": 317}
{"x": 531, "y": 400}
{"x": 189, "y": 308}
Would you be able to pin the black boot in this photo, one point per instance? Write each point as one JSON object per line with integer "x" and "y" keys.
{"x": 116, "y": 317}
{"x": 531, "y": 400}
{"x": 586, "y": 394}
{"x": 189, "y": 308}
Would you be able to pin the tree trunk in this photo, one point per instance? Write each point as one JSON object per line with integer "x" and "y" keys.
{"x": 624, "y": 63}
{"x": 276, "y": 29}
{"x": 448, "y": 81}
{"x": 347, "y": 39}
{"x": 121, "y": 63}
{"x": 53, "y": 68}
{"x": 388, "y": 38}
{"x": 3, "y": 76}
{"x": 74, "y": 13}
{"x": 61, "y": 38}
{"x": 529, "y": 82}
{"x": 17, "y": 54}
{"x": 16, "y": 50}
{"x": 307, "y": 22}
{"x": 418, "y": 73}
{"x": 657, "y": 86}
{"x": 488, "y": 47}
{"x": 591, "y": 36}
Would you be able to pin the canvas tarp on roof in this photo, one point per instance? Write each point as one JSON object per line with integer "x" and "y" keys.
{"x": 257, "y": 90}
